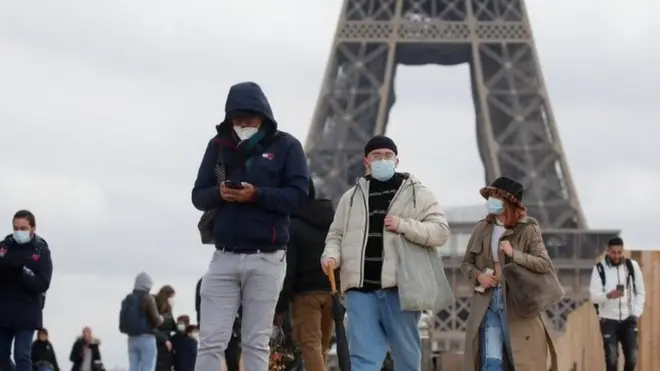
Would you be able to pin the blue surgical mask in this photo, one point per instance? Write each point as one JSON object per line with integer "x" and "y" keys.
{"x": 383, "y": 169}
{"x": 495, "y": 206}
{"x": 22, "y": 237}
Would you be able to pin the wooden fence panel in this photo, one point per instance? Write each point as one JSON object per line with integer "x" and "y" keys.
{"x": 580, "y": 348}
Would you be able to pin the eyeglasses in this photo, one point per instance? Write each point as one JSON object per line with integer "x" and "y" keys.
{"x": 382, "y": 156}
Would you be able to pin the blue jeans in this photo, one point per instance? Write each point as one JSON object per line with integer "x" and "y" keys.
{"x": 142, "y": 353}
{"x": 377, "y": 324}
{"x": 22, "y": 340}
{"x": 494, "y": 333}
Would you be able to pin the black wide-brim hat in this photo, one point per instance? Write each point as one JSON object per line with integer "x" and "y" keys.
{"x": 507, "y": 189}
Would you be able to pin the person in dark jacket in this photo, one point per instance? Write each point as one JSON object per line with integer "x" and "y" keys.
{"x": 43, "y": 353}
{"x": 233, "y": 351}
{"x": 165, "y": 303}
{"x": 184, "y": 343}
{"x": 85, "y": 353}
{"x": 25, "y": 273}
{"x": 142, "y": 349}
{"x": 267, "y": 175}
{"x": 306, "y": 287}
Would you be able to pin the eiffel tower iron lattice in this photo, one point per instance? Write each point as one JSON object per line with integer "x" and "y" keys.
{"x": 516, "y": 131}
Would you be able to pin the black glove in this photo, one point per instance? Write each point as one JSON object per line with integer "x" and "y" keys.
{"x": 633, "y": 320}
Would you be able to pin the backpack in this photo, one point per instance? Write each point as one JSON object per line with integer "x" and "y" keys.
{"x": 132, "y": 316}
{"x": 629, "y": 279}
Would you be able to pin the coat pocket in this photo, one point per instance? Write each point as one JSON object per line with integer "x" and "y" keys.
{"x": 477, "y": 246}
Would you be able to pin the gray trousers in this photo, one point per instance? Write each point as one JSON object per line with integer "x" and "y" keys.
{"x": 255, "y": 280}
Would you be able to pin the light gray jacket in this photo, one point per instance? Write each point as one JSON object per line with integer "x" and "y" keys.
{"x": 421, "y": 221}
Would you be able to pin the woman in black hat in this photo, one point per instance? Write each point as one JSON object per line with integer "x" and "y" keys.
{"x": 497, "y": 338}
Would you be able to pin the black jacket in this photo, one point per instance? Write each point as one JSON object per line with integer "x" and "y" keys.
{"x": 275, "y": 165}
{"x": 184, "y": 352}
{"x": 43, "y": 353}
{"x": 78, "y": 351}
{"x": 309, "y": 227}
{"x": 163, "y": 335}
{"x": 25, "y": 273}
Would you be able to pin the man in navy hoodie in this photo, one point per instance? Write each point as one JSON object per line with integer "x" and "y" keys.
{"x": 267, "y": 178}
{"x": 25, "y": 273}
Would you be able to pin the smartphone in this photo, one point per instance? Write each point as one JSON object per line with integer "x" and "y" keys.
{"x": 479, "y": 288}
{"x": 233, "y": 185}
{"x": 619, "y": 288}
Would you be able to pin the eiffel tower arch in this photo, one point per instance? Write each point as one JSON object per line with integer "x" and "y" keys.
{"x": 516, "y": 130}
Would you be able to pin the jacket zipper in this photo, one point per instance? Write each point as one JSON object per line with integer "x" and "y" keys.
{"x": 618, "y": 281}
{"x": 366, "y": 229}
{"x": 365, "y": 233}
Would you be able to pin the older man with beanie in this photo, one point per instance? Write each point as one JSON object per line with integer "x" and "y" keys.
{"x": 373, "y": 219}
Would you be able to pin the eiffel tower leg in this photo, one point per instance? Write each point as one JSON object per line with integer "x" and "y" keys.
{"x": 354, "y": 105}
{"x": 516, "y": 130}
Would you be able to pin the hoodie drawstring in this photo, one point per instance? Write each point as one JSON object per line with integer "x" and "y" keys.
{"x": 414, "y": 195}
{"x": 353, "y": 195}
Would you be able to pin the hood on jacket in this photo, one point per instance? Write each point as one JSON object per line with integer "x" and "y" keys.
{"x": 318, "y": 213}
{"x": 248, "y": 96}
{"x": 143, "y": 282}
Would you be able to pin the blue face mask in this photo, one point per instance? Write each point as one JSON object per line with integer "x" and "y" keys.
{"x": 495, "y": 206}
{"x": 22, "y": 237}
{"x": 383, "y": 169}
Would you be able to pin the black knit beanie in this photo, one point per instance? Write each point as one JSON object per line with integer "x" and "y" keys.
{"x": 380, "y": 142}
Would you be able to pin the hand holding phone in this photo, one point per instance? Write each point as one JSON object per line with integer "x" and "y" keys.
{"x": 233, "y": 185}
{"x": 616, "y": 293}
{"x": 488, "y": 281}
{"x": 227, "y": 190}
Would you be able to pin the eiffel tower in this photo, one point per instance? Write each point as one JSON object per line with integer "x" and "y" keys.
{"x": 516, "y": 131}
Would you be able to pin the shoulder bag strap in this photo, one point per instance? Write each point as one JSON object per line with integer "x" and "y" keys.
{"x": 220, "y": 171}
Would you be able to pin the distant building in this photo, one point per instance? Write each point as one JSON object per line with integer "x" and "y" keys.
{"x": 462, "y": 220}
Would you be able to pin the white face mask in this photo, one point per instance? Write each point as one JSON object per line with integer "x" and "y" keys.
{"x": 181, "y": 327}
{"x": 170, "y": 301}
{"x": 245, "y": 132}
{"x": 195, "y": 336}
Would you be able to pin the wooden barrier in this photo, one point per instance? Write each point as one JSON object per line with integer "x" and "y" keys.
{"x": 580, "y": 348}
{"x": 649, "y": 324}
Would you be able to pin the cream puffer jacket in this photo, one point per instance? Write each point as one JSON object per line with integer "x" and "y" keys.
{"x": 421, "y": 221}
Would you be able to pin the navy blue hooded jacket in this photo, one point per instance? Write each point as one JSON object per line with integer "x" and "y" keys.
{"x": 25, "y": 273}
{"x": 278, "y": 171}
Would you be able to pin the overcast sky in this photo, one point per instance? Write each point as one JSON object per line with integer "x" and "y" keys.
{"x": 107, "y": 106}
